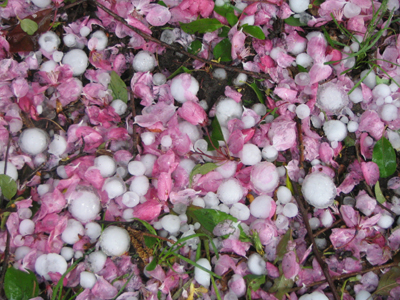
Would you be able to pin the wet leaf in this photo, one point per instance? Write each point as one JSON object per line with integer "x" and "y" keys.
{"x": 152, "y": 265}
{"x": 195, "y": 47}
{"x": 254, "y": 282}
{"x": 202, "y": 169}
{"x": 231, "y": 18}
{"x": 260, "y": 95}
{"x": 378, "y": 194}
{"x": 228, "y": 11}
{"x": 8, "y": 186}
{"x": 281, "y": 286}
{"x": 216, "y": 135}
{"x": 281, "y": 248}
{"x": 19, "y": 285}
{"x": 224, "y": 32}
{"x": 118, "y": 87}
{"x": 29, "y": 26}
{"x": 388, "y": 282}
{"x": 208, "y": 218}
{"x": 254, "y": 31}
{"x": 201, "y": 26}
{"x": 222, "y": 50}
{"x": 4, "y": 4}
{"x": 180, "y": 70}
{"x": 292, "y": 21}
{"x": 302, "y": 69}
{"x": 385, "y": 157}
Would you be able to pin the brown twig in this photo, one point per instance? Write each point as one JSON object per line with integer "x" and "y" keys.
{"x": 301, "y": 145}
{"x": 178, "y": 49}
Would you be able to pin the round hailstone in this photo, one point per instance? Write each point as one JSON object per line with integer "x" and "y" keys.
{"x": 92, "y": 230}
{"x": 69, "y": 40}
{"x": 302, "y": 111}
{"x": 57, "y": 56}
{"x": 130, "y": 199}
{"x": 119, "y": 106}
{"x": 356, "y": 96}
{"x": 41, "y": 3}
{"x": 166, "y": 141}
{"x": 102, "y": 40}
{"x": 26, "y": 227}
{"x": 282, "y": 222}
{"x": 51, "y": 262}
{"x": 67, "y": 253}
{"x": 302, "y": 79}
{"x": 58, "y": 145}
{"x": 11, "y": 170}
{"x": 299, "y": 6}
{"x": 171, "y": 223}
{"x": 314, "y": 296}
{"x": 331, "y": 98}
{"x": 314, "y": 223}
{"x": 381, "y": 91}
{"x": 140, "y": 185}
{"x": 259, "y": 108}
{"x": 24, "y": 213}
{"x": 290, "y": 210}
{"x": 21, "y": 252}
{"x": 148, "y": 138}
{"x": 362, "y": 295}
{"x": 191, "y": 130}
{"x": 389, "y": 112}
{"x": 136, "y": 168}
{"x": 240, "y": 211}
{"x": 319, "y": 190}
{"x": 49, "y": 41}
{"x": 202, "y": 277}
{"x": 250, "y": 155}
{"x": 184, "y": 84}
{"x": 335, "y": 130}
{"x": 168, "y": 36}
{"x": 283, "y": 194}
{"x": 96, "y": 261}
{"x": 115, "y": 241}
{"x": 240, "y": 79}
{"x": 159, "y": 79}
{"x": 33, "y": 141}
{"x": 114, "y": 187}
{"x": 264, "y": 177}
{"x": 220, "y": 74}
{"x": 304, "y": 60}
{"x": 230, "y": 191}
{"x": 85, "y": 206}
{"x": 148, "y": 160}
{"x": 228, "y": 109}
{"x": 48, "y": 66}
{"x": 106, "y": 165}
{"x": 84, "y": 31}
{"x": 385, "y": 221}
{"x": 269, "y": 153}
{"x": 227, "y": 169}
{"x": 256, "y": 264}
{"x": 144, "y": 61}
{"x": 370, "y": 80}
{"x": 261, "y": 206}
{"x": 72, "y": 232}
{"x": 77, "y": 60}
{"x": 352, "y": 126}
{"x": 87, "y": 280}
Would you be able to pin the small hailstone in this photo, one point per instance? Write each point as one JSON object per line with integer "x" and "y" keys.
{"x": 159, "y": 79}
{"x": 85, "y": 207}
{"x": 187, "y": 164}
{"x": 211, "y": 199}
{"x": 326, "y": 218}
{"x": 351, "y": 10}
{"x": 144, "y": 61}
{"x": 51, "y": 262}
{"x": 48, "y": 66}
{"x": 202, "y": 277}
{"x": 363, "y": 295}
{"x": 119, "y": 106}
{"x": 77, "y": 60}
{"x": 96, "y": 261}
{"x": 250, "y": 155}
{"x": 69, "y": 40}
{"x": 41, "y": 3}
{"x": 302, "y": 111}
{"x": 299, "y": 6}
{"x": 264, "y": 177}
{"x": 140, "y": 185}
{"x": 259, "y": 108}
{"x": 26, "y": 227}
{"x": 269, "y": 153}
{"x": 381, "y": 90}
{"x": 106, "y": 165}
{"x": 385, "y": 221}
{"x": 43, "y": 189}
{"x": 136, "y": 168}
{"x": 240, "y": 79}
{"x": 87, "y": 280}
{"x": 304, "y": 60}
{"x": 67, "y": 253}
{"x": 389, "y": 112}
{"x": 227, "y": 169}
{"x": 85, "y": 31}
{"x": 198, "y": 201}
{"x": 352, "y": 126}
{"x": 11, "y": 170}
{"x": 261, "y": 206}
{"x": 78, "y": 254}
{"x": 168, "y": 36}
{"x": 228, "y": 109}
{"x": 220, "y": 74}
{"x": 282, "y": 222}
{"x": 72, "y": 232}
{"x": 21, "y": 252}
{"x": 331, "y": 98}
{"x": 58, "y": 145}
{"x": 191, "y": 130}
{"x": 240, "y": 211}
{"x": 283, "y": 194}
{"x": 321, "y": 243}
{"x": 203, "y": 104}
{"x": 182, "y": 85}
{"x": 356, "y": 96}
{"x": 171, "y": 223}
{"x": 115, "y": 241}
{"x": 24, "y": 213}
{"x": 148, "y": 138}
{"x": 256, "y": 264}
{"x": 114, "y": 187}
{"x": 248, "y": 20}
{"x": 49, "y": 41}
{"x": 33, "y": 141}
{"x": 314, "y": 296}
{"x": 335, "y": 130}
{"x": 102, "y": 40}
{"x": 370, "y": 80}
{"x": 127, "y": 214}
{"x": 130, "y": 199}
{"x": 290, "y": 210}
{"x": 302, "y": 79}
{"x": 148, "y": 160}
{"x": 166, "y": 141}
{"x": 230, "y": 191}
{"x": 314, "y": 223}
{"x": 61, "y": 172}
{"x": 57, "y": 56}
{"x": 319, "y": 190}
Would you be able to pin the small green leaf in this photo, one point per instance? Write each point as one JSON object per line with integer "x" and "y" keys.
{"x": 281, "y": 248}
{"x": 152, "y": 265}
{"x": 8, "y": 186}
{"x": 243, "y": 237}
{"x": 302, "y": 69}
{"x": 118, "y": 87}
{"x": 19, "y": 285}
{"x": 281, "y": 286}
{"x": 257, "y": 242}
{"x": 4, "y": 4}
{"x": 180, "y": 70}
{"x": 201, "y": 26}
{"x": 202, "y": 169}
{"x": 349, "y": 142}
{"x": 378, "y": 193}
{"x": 318, "y": 2}
{"x": 231, "y": 18}
{"x": 29, "y": 26}
{"x": 254, "y": 31}
{"x": 292, "y": 21}
{"x": 254, "y": 282}
{"x": 224, "y": 32}
{"x": 195, "y": 47}
{"x": 388, "y": 282}
{"x": 289, "y": 184}
{"x": 385, "y": 157}
{"x": 222, "y": 50}
{"x": 162, "y": 3}
{"x": 260, "y": 95}
{"x": 208, "y": 218}
{"x": 382, "y": 80}
{"x": 216, "y": 135}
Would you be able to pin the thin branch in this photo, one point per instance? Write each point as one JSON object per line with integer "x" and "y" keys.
{"x": 178, "y": 49}
{"x": 327, "y": 228}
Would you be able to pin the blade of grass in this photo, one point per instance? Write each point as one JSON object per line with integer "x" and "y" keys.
{"x": 196, "y": 265}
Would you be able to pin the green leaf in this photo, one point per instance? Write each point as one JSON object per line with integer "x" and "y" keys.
{"x": 302, "y": 69}
{"x": 281, "y": 286}
{"x": 349, "y": 142}
{"x": 289, "y": 184}
{"x": 201, "y": 26}
{"x": 202, "y": 169}
{"x": 378, "y": 193}
{"x": 19, "y": 285}
{"x": 162, "y": 3}
{"x": 222, "y": 50}
{"x": 388, "y": 282}
{"x": 224, "y": 32}
{"x": 243, "y": 237}
{"x": 254, "y": 282}
{"x": 292, "y": 21}
{"x": 318, "y": 2}
{"x": 385, "y": 157}
{"x": 382, "y": 80}
{"x": 208, "y": 218}
{"x": 152, "y": 265}
{"x": 180, "y": 70}
{"x": 29, "y": 26}
{"x": 260, "y": 95}
{"x": 281, "y": 248}
{"x": 118, "y": 87}
{"x": 254, "y": 31}
{"x": 8, "y": 186}
{"x": 216, "y": 135}
{"x": 4, "y": 4}
{"x": 231, "y": 18}
{"x": 195, "y": 47}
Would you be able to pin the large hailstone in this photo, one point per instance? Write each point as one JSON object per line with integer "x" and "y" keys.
{"x": 230, "y": 191}
{"x": 264, "y": 177}
{"x": 184, "y": 87}
{"x": 51, "y": 262}
{"x": 115, "y": 241}
{"x": 228, "y": 109}
{"x": 84, "y": 206}
{"x": 77, "y": 60}
{"x": 319, "y": 190}
{"x": 144, "y": 61}
{"x": 331, "y": 98}
{"x": 33, "y": 141}
{"x": 11, "y": 170}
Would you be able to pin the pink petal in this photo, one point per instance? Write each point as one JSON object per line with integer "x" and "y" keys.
{"x": 290, "y": 266}
{"x": 370, "y": 171}
{"x": 148, "y": 210}
{"x": 193, "y": 113}
{"x": 158, "y": 16}
{"x": 371, "y": 122}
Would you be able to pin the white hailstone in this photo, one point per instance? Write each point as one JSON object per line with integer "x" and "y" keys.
{"x": 78, "y": 254}
{"x": 356, "y": 96}
{"x": 187, "y": 164}
{"x": 51, "y": 262}
{"x": 256, "y": 264}
{"x": 321, "y": 243}
{"x": 115, "y": 241}
{"x": 202, "y": 277}
{"x": 259, "y": 108}
{"x": 166, "y": 141}
{"x": 385, "y": 221}
{"x": 178, "y": 91}
{"x": 127, "y": 214}
{"x": 33, "y": 141}
{"x": 389, "y": 99}
{"x": 49, "y": 41}
{"x": 304, "y": 60}
{"x": 314, "y": 223}
{"x": 381, "y": 91}
{"x": 240, "y": 211}
{"x": 211, "y": 199}
{"x": 84, "y": 31}
{"x": 61, "y": 172}
{"x": 363, "y": 295}
{"x": 302, "y": 111}
{"x": 77, "y": 60}
{"x": 43, "y": 189}
{"x": 370, "y": 80}
{"x": 299, "y": 6}
{"x": 171, "y": 223}
{"x": 11, "y": 169}
{"x": 106, "y": 165}
{"x": 85, "y": 207}
{"x": 67, "y": 253}
{"x": 224, "y": 208}
{"x": 230, "y": 191}
{"x": 201, "y": 145}
{"x": 248, "y": 20}
{"x": 331, "y": 98}
{"x": 159, "y": 79}
{"x": 191, "y": 130}
{"x": 92, "y": 230}
{"x": 72, "y": 232}
{"x": 136, "y": 168}
{"x": 57, "y": 56}
{"x": 48, "y": 66}
{"x": 148, "y": 138}
{"x": 41, "y": 3}
{"x": 220, "y": 74}
{"x": 394, "y": 139}
{"x": 352, "y": 126}
{"x": 96, "y": 261}
{"x": 102, "y": 40}
{"x": 148, "y": 160}
{"x": 26, "y": 227}
{"x": 319, "y": 190}
{"x": 302, "y": 79}
{"x": 240, "y": 79}
{"x": 335, "y": 130}
{"x": 269, "y": 153}
{"x": 314, "y": 296}
{"x": 168, "y": 36}
{"x": 282, "y": 222}
{"x": 389, "y": 112}
{"x": 69, "y": 40}
{"x": 248, "y": 121}
{"x": 58, "y": 145}
{"x": 130, "y": 199}
{"x": 21, "y": 252}
{"x": 24, "y": 213}
{"x": 290, "y": 210}
{"x": 119, "y": 106}
{"x": 87, "y": 280}
{"x": 355, "y": 47}
{"x": 250, "y": 155}
{"x": 203, "y": 104}
{"x": 326, "y": 218}
{"x": 283, "y": 194}
{"x": 144, "y": 61}
{"x": 393, "y": 5}
{"x": 227, "y": 169}
{"x": 264, "y": 177}
{"x": 261, "y": 206}
{"x": 198, "y": 201}
{"x": 140, "y": 185}
{"x": 114, "y": 187}
{"x": 228, "y": 109}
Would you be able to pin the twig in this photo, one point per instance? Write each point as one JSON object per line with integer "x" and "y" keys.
{"x": 327, "y": 228}
{"x": 177, "y": 49}
{"x": 301, "y": 145}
